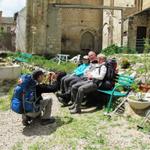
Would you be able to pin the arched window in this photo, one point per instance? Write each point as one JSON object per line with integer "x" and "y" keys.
{"x": 87, "y": 41}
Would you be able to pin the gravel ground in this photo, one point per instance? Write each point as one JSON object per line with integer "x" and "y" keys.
{"x": 12, "y": 131}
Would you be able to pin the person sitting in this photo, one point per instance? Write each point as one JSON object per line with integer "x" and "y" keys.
{"x": 65, "y": 88}
{"x": 66, "y": 83}
{"x": 94, "y": 80}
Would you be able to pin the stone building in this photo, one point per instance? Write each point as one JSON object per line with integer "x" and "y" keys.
{"x": 138, "y": 27}
{"x": 7, "y": 37}
{"x": 76, "y": 26}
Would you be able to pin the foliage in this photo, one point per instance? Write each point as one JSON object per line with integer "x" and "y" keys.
{"x": 146, "y": 61}
{"x": 5, "y": 102}
{"x": 114, "y": 49}
{"x": 135, "y": 87}
{"x": 125, "y": 63}
{"x": 127, "y": 50}
{"x": 48, "y": 64}
{"x": 51, "y": 65}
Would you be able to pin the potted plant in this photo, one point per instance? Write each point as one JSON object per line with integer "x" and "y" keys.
{"x": 145, "y": 85}
{"x": 139, "y": 101}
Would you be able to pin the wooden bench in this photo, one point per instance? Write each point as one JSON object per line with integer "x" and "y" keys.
{"x": 122, "y": 88}
{"x": 23, "y": 57}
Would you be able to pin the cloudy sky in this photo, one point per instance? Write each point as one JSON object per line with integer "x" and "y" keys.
{"x": 9, "y": 7}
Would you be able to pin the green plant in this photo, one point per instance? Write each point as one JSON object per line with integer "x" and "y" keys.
{"x": 112, "y": 49}
{"x": 146, "y": 62}
{"x": 135, "y": 87}
{"x": 127, "y": 50}
{"x": 125, "y": 63}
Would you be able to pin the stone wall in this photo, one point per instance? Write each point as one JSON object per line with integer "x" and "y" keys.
{"x": 53, "y": 31}
{"x": 37, "y": 26}
{"x": 80, "y": 25}
{"x": 21, "y": 31}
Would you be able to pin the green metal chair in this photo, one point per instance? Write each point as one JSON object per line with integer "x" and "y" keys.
{"x": 121, "y": 89}
{"x": 23, "y": 57}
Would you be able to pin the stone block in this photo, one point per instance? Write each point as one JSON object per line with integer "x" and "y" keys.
{"x": 10, "y": 72}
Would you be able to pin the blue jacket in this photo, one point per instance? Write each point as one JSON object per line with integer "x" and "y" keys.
{"x": 79, "y": 71}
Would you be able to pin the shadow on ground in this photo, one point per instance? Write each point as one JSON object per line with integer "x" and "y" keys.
{"x": 35, "y": 129}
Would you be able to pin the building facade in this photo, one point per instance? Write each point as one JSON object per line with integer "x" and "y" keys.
{"x": 138, "y": 27}
{"x": 78, "y": 26}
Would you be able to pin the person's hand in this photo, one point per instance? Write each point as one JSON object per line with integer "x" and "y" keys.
{"x": 89, "y": 76}
{"x": 51, "y": 76}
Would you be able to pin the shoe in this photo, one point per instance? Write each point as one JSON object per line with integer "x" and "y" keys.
{"x": 61, "y": 95}
{"x": 72, "y": 107}
{"x": 27, "y": 121}
{"x": 47, "y": 121}
{"x": 61, "y": 100}
{"x": 75, "y": 111}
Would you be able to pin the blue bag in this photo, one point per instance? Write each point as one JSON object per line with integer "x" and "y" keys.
{"x": 24, "y": 96}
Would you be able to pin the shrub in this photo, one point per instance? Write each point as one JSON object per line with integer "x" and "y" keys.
{"x": 112, "y": 49}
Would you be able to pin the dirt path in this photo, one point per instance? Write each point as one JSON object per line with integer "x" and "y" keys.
{"x": 12, "y": 131}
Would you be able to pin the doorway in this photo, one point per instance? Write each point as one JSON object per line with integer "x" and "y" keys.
{"x": 141, "y": 34}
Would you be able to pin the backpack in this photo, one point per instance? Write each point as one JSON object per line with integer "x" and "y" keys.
{"x": 109, "y": 79}
{"x": 111, "y": 66}
{"x": 24, "y": 95}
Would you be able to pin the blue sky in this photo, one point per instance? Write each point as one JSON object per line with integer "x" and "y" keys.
{"x": 9, "y": 7}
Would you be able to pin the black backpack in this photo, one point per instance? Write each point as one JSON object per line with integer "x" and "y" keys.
{"x": 109, "y": 79}
{"x": 111, "y": 65}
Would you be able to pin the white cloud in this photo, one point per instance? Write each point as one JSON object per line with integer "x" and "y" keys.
{"x": 9, "y": 7}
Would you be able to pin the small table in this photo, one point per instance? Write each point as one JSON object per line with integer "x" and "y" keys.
{"x": 62, "y": 57}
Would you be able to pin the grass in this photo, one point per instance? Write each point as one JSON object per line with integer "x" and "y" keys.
{"x": 5, "y": 102}
{"x": 90, "y": 131}
{"x": 51, "y": 65}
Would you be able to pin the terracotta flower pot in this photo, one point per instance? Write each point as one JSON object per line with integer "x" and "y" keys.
{"x": 144, "y": 87}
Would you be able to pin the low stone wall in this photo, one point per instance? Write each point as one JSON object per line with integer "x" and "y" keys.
{"x": 10, "y": 72}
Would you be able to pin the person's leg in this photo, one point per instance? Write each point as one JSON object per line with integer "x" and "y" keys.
{"x": 67, "y": 81}
{"x": 28, "y": 117}
{"x": 87, "y": 87}
{"x": 62, "y": 89}
{"x": 46, "y": 107}
{"x": 74, "y": 89}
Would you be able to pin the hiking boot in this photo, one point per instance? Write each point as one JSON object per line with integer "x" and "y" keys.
{"x": 61, "y": 95}
{"x": 72, "y": 107}
{"x": 63, "y": 101}
{"x": 27, "y": 121}
{"x": 75, "y": 111}
{"x": 47, "y": 121}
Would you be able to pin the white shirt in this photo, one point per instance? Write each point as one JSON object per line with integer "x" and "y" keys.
{"x": 99, "y": 72}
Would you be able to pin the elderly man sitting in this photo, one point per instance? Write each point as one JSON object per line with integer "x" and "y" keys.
{"x": 94, "y": 80}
